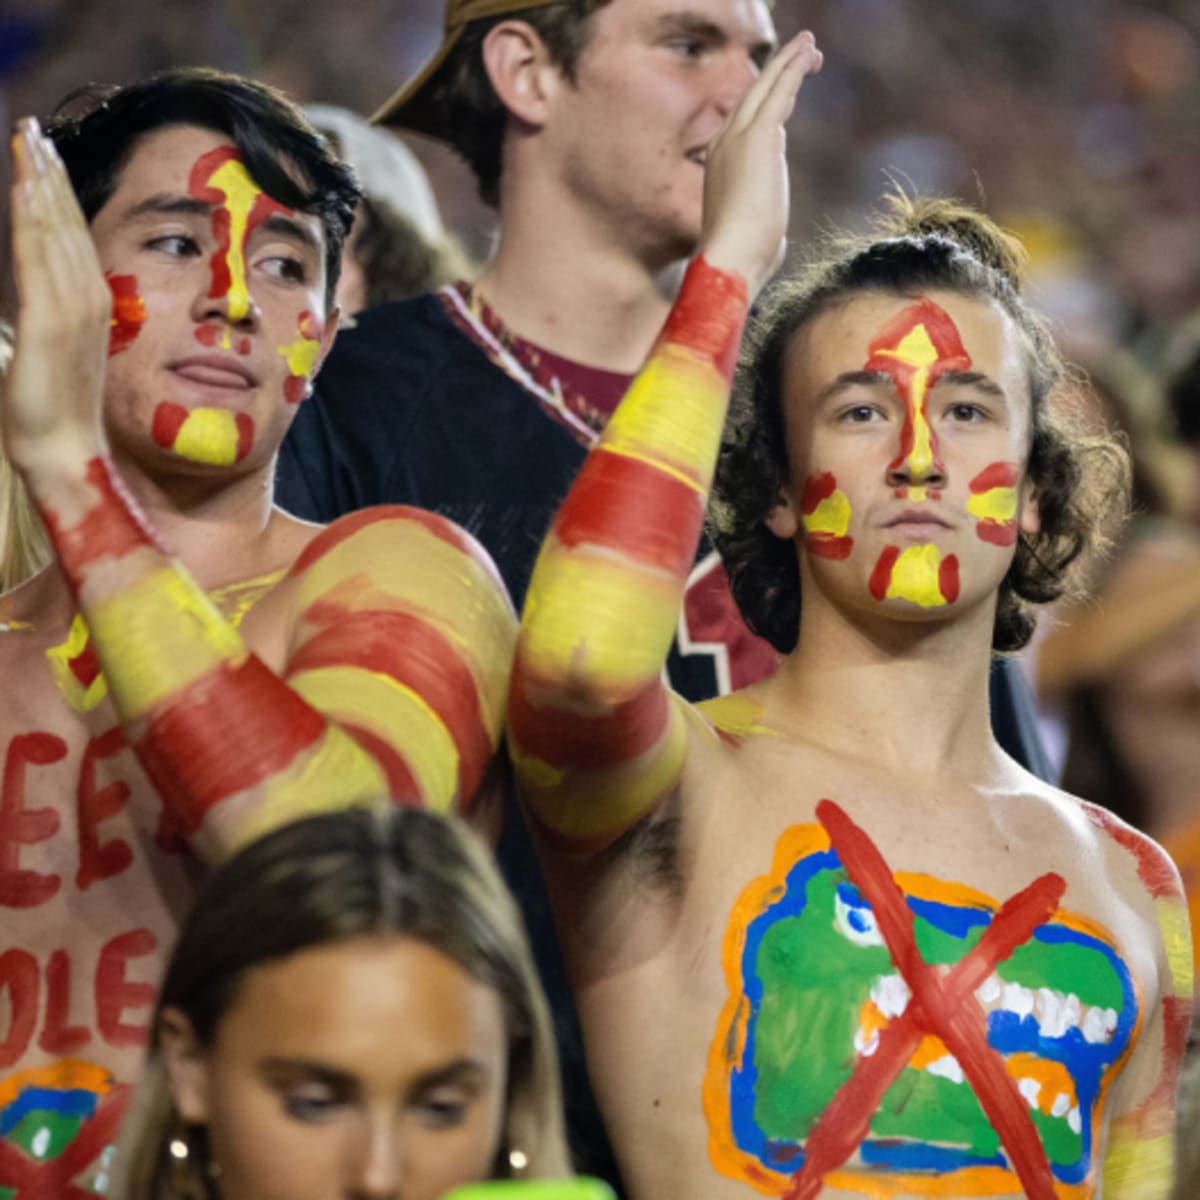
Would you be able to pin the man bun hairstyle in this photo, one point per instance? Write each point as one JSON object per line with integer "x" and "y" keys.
{"x": 1081, "y": 482}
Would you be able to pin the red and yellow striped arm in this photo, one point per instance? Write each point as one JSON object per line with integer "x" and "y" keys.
{"x": 399, "y": 637}
{"x": 597, "y": 738}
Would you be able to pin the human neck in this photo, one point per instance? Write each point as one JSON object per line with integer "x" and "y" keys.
{"x": 907, "y": 695}
{"x": 573, "y": 288}
{"x": 221, "y": 529}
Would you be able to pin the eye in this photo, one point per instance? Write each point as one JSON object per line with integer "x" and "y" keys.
{"x": 966, "y": 412}
{"x": 859, "y": 414}
{"x": 687, "y": 47}
{"x": 443, "y": 1108}
{"x": 286, "y": 267}
{"x": 175, "y": 245}
{"x": 310, "y": 1103}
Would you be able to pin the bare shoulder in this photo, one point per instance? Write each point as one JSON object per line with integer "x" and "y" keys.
{"x": 401, "y": 535}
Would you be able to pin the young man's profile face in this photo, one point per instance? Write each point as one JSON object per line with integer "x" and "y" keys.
{"x": 219, "y": 305}
{"x": 908, "y": 425}
{"x": 652, "y": 88}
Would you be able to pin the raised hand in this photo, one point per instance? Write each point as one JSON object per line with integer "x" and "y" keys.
{"x": 746, "y": 181}
{"x": 52, "y": 405}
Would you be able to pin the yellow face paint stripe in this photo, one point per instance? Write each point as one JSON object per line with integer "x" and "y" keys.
{"x": 209, "y": 435}
{"x": 831, "y": 516}
{"x": 996, "y": 504}
{"x": 241, "y": 194}
{"x": 915, "y": 577}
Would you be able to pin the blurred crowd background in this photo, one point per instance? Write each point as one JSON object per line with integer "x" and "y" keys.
{"x": 1075, "y": 122}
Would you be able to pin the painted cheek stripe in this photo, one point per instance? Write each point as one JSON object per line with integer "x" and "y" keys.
{"x": 129, "y": 313}
{"x": 918, "y": 574}
{"x": 825, "y": 514}
{"x": 993, "y": 502}
{"x": 301, "y": 357}
{"x": 943, "y": 1005}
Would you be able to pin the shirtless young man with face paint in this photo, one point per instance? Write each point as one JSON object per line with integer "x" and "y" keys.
{"x": 196, "y": 667}
{"x": 826, "y": 938}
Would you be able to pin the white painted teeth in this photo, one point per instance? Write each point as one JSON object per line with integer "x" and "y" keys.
{"x": 1056, "y": 1012}
{"x": 890, "y": 994}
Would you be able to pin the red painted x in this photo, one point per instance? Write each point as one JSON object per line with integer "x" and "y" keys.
{"x": 52, "y": 1180}
{"x": 943, "y": 1004}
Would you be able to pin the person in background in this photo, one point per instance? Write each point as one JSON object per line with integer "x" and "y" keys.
{"x": 399, "y": 246}
{"x": 351, "y": 1009}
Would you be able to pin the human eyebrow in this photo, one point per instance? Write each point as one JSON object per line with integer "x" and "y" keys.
{"x": 852, "y": 379}
{"x": 280, "y": 226}
{"x": 685, "y": 24}
{"x": 973, "y": 379}
{"x": 287, "y": 1070}
{"x": 464, "y": 1071}
{"x": 167, "y": 204}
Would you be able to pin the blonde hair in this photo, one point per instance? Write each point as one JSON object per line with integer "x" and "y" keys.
{"x": 24, "y": 545}
{"x": 324, "y": 879}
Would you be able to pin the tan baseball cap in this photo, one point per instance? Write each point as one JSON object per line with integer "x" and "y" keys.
{"x": 412, "y": 106}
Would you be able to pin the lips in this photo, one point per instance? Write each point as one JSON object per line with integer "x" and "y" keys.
{"x": 916, "y": 518}
{"x": 214, "y": 370}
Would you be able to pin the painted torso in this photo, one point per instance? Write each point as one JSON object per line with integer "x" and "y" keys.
{"x": 93, "y": 886}
{"x": 724, "y": 1018}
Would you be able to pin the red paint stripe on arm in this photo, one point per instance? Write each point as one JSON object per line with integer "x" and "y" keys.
{"x": 628, "y": 505}
{"x": 1155, "y": 869}
{"x": 709, "y": 314}
{"x": 414, "y": 654}
{"x": 112, "y": 528}
{"x": 224, "y": 733}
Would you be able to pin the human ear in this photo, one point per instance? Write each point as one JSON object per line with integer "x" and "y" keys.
{"x": 187, "y": 1066}
{"x": 1029, "y": 516}
{"x": 783, "y": 520}
{"x": 520, "y": 70}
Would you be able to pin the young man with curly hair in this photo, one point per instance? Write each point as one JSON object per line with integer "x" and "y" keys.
{"x": 827, "y": 938}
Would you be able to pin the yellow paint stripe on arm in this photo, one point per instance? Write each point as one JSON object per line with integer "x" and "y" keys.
{"x": 589, "y": 804}
{"x": 333, "y": 775}
{"x": 617, "y": 655}
{"x": 668, "y": 416}
{"x": 1138, "y": 1168}
{"x": 394, "y": 713}
{"x": 159, "y": 635}
{"x": 1177, "y": 935}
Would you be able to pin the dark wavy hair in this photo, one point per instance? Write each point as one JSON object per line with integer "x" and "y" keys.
{"x": 468, "y": 102}
{"x": 97, "y": 129}
{"x": 1081, "y": 482}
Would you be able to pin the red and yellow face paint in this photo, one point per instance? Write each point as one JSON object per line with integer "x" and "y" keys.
{"x": 302, "y": 357}
{"x": 922, "y": 575}
{"x": 825, "y": 515}
{"x": 239, "y": 205}
{"x": 129, "y": 313}
{"x": 994, "y": 502}
{"x": 214, "y": 436}
{"x": 917, "y": 347}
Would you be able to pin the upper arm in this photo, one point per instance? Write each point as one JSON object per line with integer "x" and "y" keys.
{"x": 1140, "y": 1156}
{"x": 402, "y": 633}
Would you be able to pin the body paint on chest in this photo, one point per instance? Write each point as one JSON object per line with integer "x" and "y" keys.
{"x": 239, "y": 205}
{"x": 956, "y": 1045}
{"x": 825, "y": 515}
{"x": 993, "y": 503}
{"x": 214, "y": 436}
{"x": 57, "y": 1124}
{"x": 129, "y": 313}
{"x": 922, "y": 575}
{"x": 302, "y": 357}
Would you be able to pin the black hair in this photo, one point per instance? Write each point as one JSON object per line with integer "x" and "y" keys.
{"x": 97, "y": 129}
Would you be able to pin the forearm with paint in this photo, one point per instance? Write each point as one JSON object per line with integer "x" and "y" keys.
{"x": 398, "y": 670}
{"x": 597, "y": 737}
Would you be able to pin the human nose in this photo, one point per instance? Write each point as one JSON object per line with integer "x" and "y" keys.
{"x": 738, "y": 70}
{"x": 374, "y": 1166}
{"x": 919, "y": 461}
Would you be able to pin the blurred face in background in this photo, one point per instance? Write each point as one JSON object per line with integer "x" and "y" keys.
{"x": 372, "y": 1067}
